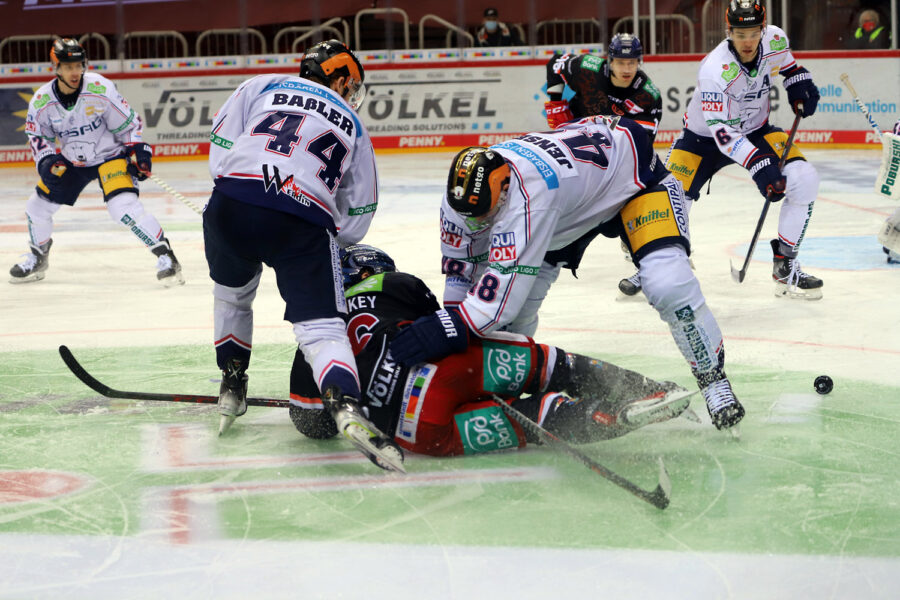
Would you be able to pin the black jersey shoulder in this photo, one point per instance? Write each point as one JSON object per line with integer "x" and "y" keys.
{"x": 395, "y": 295}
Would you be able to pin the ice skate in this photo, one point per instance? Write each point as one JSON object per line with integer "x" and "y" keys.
{"x": 893, "y": 258}
{"x": 630, "y": 286}
{"x": 724, "y": 409}
{"x": 33, "y": 266}
{"x": 790, "y": 280}
{"x": 168, "y": 269}
{"x": 351, "y": 423}
{"x": 232, "y": 394}
{"x": 623, "y": 416}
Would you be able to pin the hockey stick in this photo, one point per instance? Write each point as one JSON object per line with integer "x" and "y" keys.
{"x": 658, "y": 497}
{"x": 738, "y": 276}
{"x": 859, "y": 103}
{"x": 109, "y": 392}
{"x": 174, "y": 193}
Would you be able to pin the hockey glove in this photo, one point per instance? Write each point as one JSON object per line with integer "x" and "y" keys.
{"x": 51, "y": 169}
{"x": 803, "y": 95}
{"x": 557, "y": 113}
{"x": 140, "y": 160}
{"x": 431, "y": 337}
{"x": 768, "y": 178}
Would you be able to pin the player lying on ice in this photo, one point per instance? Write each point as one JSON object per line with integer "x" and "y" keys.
{"x": 445, "y": 407}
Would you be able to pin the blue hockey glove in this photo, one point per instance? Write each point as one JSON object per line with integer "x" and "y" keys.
{"x": 140, "y": 160}
{"x": 768, "y": 178}
{"x": 803, "y": 95}
{"x": 51, "y": 169}
{"x": 431, "y": 337}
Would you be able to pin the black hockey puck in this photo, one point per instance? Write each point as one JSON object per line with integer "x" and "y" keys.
{"x": 823, "y": 384}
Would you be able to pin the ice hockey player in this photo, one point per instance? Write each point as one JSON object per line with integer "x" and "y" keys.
{"x": 886, "y": 184}
{"x": 612, "y": 87}
{"x": 100, "y": 137}
{"x": 727, "y": 121}
{"x": 446, "y": 407}
{"x": 290, "y": 205}
{"x": 506, "y": 206}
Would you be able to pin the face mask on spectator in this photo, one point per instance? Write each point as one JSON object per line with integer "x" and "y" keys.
{"x": 490, "y": 26}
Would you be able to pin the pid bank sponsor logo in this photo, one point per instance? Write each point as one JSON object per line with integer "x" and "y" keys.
{"x": 485, "y": 430}
{"x": 505, "y": 367}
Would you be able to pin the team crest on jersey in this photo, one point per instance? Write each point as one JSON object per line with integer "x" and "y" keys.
{"x": 503, "y": 247}
{"x": 711, "y": 101}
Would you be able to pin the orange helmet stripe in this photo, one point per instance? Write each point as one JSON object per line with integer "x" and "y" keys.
{"x": 341, "y": 60}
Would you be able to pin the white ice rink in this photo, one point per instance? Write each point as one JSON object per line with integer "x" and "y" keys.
{"x": 100, "y": 292}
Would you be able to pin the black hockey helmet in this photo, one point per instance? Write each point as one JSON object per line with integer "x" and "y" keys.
{"x": 67, "y": 50}
{"x": 476, "y": 181}
{"x": 745, "y": 13}
{"x": 328, "y": 60}
{"x": 358, "y": 258}
{"x": 625, "y": 45}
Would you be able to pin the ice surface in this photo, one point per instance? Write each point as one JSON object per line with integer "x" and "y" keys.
{"x": 111, "y": 499}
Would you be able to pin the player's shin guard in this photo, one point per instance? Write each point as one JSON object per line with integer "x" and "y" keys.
{"x": 670, "y": 286}
{"x": 327, "y": 350}
{"x": 796, "y": 210}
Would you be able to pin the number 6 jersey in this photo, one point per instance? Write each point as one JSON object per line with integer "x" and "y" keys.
{"x": 562, "y": 184}
{"x": 295, "y": 146}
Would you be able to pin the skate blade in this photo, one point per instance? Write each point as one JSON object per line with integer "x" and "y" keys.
{"x": 388, "y": 457}
{"x": 658, "y": 407}
{"x": 690, "y": 415}
{"x": 172, "y": 280}
{"x": 28, "y": 278}
{"x": 782, "y": 291}
{"x": 225, "y": 422}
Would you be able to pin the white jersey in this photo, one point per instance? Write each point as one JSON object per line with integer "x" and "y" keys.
{"x": 562, "y": 184}
{"x": 730, "y": 101}
{"x": 90, "y": 133}
{"x": 292, "y": 145}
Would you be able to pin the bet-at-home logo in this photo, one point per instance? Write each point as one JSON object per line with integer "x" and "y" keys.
{"x": 506, "y": 367}
{"x": 485, "y": 430}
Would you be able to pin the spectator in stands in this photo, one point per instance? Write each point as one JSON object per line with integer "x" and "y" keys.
{"x": 870, "y": 34}
{"x": 494, "y": 32}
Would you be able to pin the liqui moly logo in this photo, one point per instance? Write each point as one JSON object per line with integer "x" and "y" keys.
{"x": 711, "y": 101}
{"x": 503, "y": 247}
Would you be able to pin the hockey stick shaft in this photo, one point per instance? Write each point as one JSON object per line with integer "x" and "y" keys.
{"x": 174, "y": 193}
{"x": 81, "y": 373}
{"x": 846, "y": 79}
{"x": 658, "y": 497}
{"x": 739, "y": 275}
{"x": 161, "y": 183}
